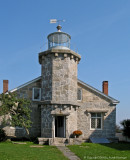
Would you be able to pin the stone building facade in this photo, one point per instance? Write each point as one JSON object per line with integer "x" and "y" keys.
{"x": 61, "y": 103}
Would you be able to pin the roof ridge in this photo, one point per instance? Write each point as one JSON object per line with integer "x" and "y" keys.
{"x": 25, "y": 84}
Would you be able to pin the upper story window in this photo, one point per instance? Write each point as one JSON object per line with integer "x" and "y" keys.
{"x": 36, "y": 95}
{"x": 96, "y": 121}
{"x": 79, "y": 94}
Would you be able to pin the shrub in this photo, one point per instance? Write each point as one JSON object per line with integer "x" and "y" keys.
{"x": 2, "y": 135}
{"x": 77, "y": 133}
{"x": 126, "y": 127}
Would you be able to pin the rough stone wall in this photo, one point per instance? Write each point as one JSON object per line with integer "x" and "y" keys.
{"x": 64, "y": 78}
{"x": 46, "y": 121}
{"x": 90, "y": 96}
{"x": 72, "y": 120}
{"x": 35, "y": 130}
{"x": 46, "y": 77}
{"x": 26, "y": 91}
{"x": 59, "y": 78}
{"x": 91, "y": 100}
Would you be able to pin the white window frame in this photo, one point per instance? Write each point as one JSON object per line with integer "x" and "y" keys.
{"x": 39, "y": 94}
{"x": 96, "y": 122}
{"x": 81, "y": 94}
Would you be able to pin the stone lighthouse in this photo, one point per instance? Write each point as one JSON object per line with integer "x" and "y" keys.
{"x": 60, "y": 103}
{"x": 59, "y": 86}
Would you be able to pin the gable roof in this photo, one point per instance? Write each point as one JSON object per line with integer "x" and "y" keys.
{"x": 114, "y": 101}
{"x": 25, "y": 84}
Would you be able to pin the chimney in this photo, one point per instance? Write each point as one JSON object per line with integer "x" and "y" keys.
{"x": 5, "y": 86}
{"x": 105, "y": 87}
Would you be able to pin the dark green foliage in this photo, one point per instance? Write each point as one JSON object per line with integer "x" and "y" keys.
{"x": 2, "y": 135}
{"x": 126, "y": 127}
{"x": 17, "y": 108}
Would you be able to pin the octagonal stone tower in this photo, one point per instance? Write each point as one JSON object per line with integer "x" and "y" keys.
{"x": 59, "y": 86}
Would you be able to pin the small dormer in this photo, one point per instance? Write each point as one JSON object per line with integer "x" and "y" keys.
{"x": 59, "y": 40}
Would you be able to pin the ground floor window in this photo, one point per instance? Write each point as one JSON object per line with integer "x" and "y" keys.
{"x": 96, "y": 121}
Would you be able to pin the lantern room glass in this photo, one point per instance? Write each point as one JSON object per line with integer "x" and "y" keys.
{"x": 59, "y": 40}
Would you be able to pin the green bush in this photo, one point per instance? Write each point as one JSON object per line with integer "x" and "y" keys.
{"x": 2, "y": 135}
{"x": 126, "y": 127}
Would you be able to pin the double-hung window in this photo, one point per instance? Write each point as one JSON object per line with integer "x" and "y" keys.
{"x": 79, "y": 94}
{"x": 36, "y": 95}
{"x": 96, "y": 121}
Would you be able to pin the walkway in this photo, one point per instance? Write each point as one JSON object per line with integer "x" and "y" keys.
{"x": 67, "y": 153}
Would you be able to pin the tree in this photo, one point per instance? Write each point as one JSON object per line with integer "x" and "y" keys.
{"x": 17, "y": 109}
{"x": 126, "y": 127}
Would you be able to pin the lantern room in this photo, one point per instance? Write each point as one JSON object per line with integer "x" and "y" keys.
{"x": 59, "y": 40}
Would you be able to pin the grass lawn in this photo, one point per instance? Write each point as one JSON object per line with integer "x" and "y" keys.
{"x": 10, "y": 151}
{"x": 113, "y": 151}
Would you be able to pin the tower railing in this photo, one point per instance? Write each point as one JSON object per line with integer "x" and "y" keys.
{"x": 44, "y": 47}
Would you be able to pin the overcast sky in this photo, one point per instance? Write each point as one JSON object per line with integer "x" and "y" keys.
{"x": 99, "y": 29}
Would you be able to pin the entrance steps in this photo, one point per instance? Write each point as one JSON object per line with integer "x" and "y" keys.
{"x": 59, "y": 141}
{"x": 53, "y": 141}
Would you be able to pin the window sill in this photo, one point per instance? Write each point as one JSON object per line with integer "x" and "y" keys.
{"x": 36, "y": 100}
{"x": 79, "y": 100}
{"x": 95, "y": 129}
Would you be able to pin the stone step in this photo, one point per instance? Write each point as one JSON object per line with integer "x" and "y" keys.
{"x": 60, "y": 140}
{"x": 43, "y": 141}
